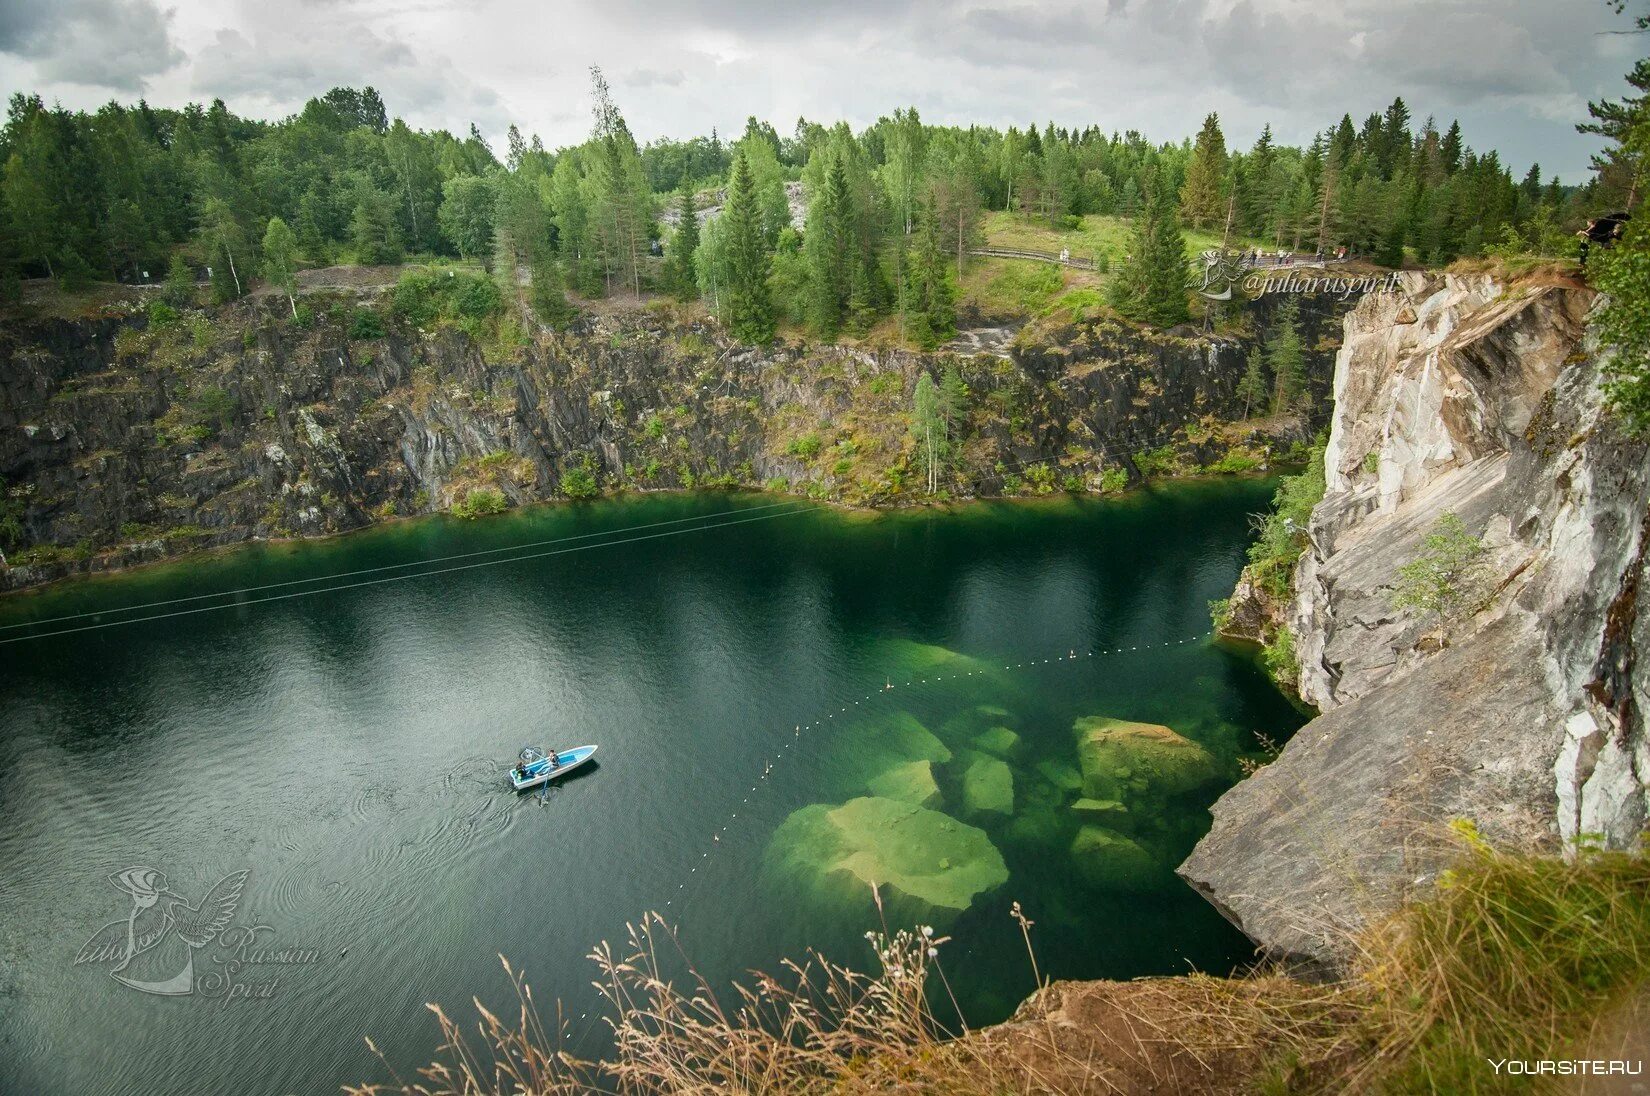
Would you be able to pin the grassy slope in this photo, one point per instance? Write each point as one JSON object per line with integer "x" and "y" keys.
{"x": 1003, "y": 287}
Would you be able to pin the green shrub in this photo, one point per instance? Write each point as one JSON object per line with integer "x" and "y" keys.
{"x": 806, "y": 447}
{"x": 1234, "y": 462}
{"x": 1279, "y": 657}
{"x": 1156, "y": 462}
{"x": 366, "y": 324}
{"x": 1282, "y": 532}
{"x": 432, "y": 298}
{"x": 480, "y": 501}
{"x": 579, "y": 481}
{"x": 1113, "y": 479}
{"x": 162, "y": 315}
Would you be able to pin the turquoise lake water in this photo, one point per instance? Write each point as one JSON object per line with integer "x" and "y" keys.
{"x": 777, "y": 690}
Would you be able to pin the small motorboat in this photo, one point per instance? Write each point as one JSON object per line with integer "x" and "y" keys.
{"x": 538, "y": 767}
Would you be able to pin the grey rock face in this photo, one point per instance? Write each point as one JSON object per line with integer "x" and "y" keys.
{"x": 1456, "y": 395}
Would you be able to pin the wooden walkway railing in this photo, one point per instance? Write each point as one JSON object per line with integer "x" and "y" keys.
{"x": 1038, "y": 256}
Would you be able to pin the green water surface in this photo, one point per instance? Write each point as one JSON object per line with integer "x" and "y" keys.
{"x": 790, "y": 703}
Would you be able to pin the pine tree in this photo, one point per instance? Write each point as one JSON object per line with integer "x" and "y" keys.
{"x": 1151, "y": 284}
{"x": 1203, "y": 197}
{"x": 927, "y": 299}
{"x": 546, "y": 295}
{"x": 680, "y": 275}
{"x": 748, "y": 311}
{"x": 828, "y": 250}
{"x": 179, "y": 291}
{"x": 1287, "y": 358}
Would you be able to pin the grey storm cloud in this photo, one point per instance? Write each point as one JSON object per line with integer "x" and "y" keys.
{"x": 283, "y": 62}
{"x": 114, "y": 44}
{"x": 1518, "y": 73}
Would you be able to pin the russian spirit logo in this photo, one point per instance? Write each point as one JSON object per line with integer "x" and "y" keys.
{"x": 166, "y": 945}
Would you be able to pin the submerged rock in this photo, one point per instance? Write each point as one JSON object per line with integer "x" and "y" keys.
{"x": 909, "y": 782}
{"x": 1061, "y": 774}
{"x": 1000, "y": 741}
{"x": 987, "y": 785}
{"x": 900, "y": 735}
{"x": 1115, "y": 861}
{"x": 926, "y": 864}
{"x": 976, "y": 721}
{"x": 1120, "y": 759}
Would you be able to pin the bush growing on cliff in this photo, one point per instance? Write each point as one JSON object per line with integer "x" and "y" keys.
{"x": 479, "y": 502}
{"x": 1282, "y": 533}
{"x": 1447, "y": 577}
{"x": 366, "y": 324}
{"x": 579, "y": 481}
{"x": 430, "y": 299}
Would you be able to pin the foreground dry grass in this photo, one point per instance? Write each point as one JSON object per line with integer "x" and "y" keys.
{"x": 1513, "y": 957}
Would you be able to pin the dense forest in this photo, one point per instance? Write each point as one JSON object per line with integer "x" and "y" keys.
{"x": 134, "y": 193}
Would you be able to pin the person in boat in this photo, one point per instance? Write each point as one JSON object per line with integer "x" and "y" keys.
{"x": 555, "y": 759}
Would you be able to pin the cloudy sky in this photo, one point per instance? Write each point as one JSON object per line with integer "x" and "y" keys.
{"x": 1518, "y": 73}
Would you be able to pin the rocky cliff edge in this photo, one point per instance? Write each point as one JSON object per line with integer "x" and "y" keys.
{"x": 1465, "y": 395}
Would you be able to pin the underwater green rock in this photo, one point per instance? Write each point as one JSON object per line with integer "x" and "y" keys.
{"x": 908, "y": 782}
{"x": 987, "y": 784}
{"x": 1061, "y": 774}
{"x": 927, "y": 864}
{"x": 1114, "y": 861}
{"x": 1105, "y": 810}
{"x": 998, "y": 740}
{"x": 974, "y": 721}
{"x": 902, "y": 735}
{"x": 1119, "y": 759}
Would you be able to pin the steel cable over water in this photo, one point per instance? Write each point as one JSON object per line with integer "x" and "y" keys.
{"x": 402, "y": 578}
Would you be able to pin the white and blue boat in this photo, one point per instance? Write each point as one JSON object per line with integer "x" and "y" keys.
{"x": 537, "y": 767}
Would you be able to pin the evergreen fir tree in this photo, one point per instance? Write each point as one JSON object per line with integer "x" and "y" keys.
{"x": 1151, "y": 284}
{"x": 748, "y": 311}
{"x": 927, "y": 299}
{"x": 1287, "y": 357}
{"x": 828, "y": 251}
{"x": 546, "y": 295}
{"x": 1203, "y": 197}
{"x": 680, "y": 276}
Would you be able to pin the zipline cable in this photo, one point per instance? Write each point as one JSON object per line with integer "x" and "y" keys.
{"x": 388, "y": 567}
{"x": 400, "y": 578}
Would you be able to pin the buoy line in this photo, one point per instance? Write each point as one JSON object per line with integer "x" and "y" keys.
{"x": 681, "y": 893}
{"x": 771, "y": 762}
{"x": 402, "y": 578}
